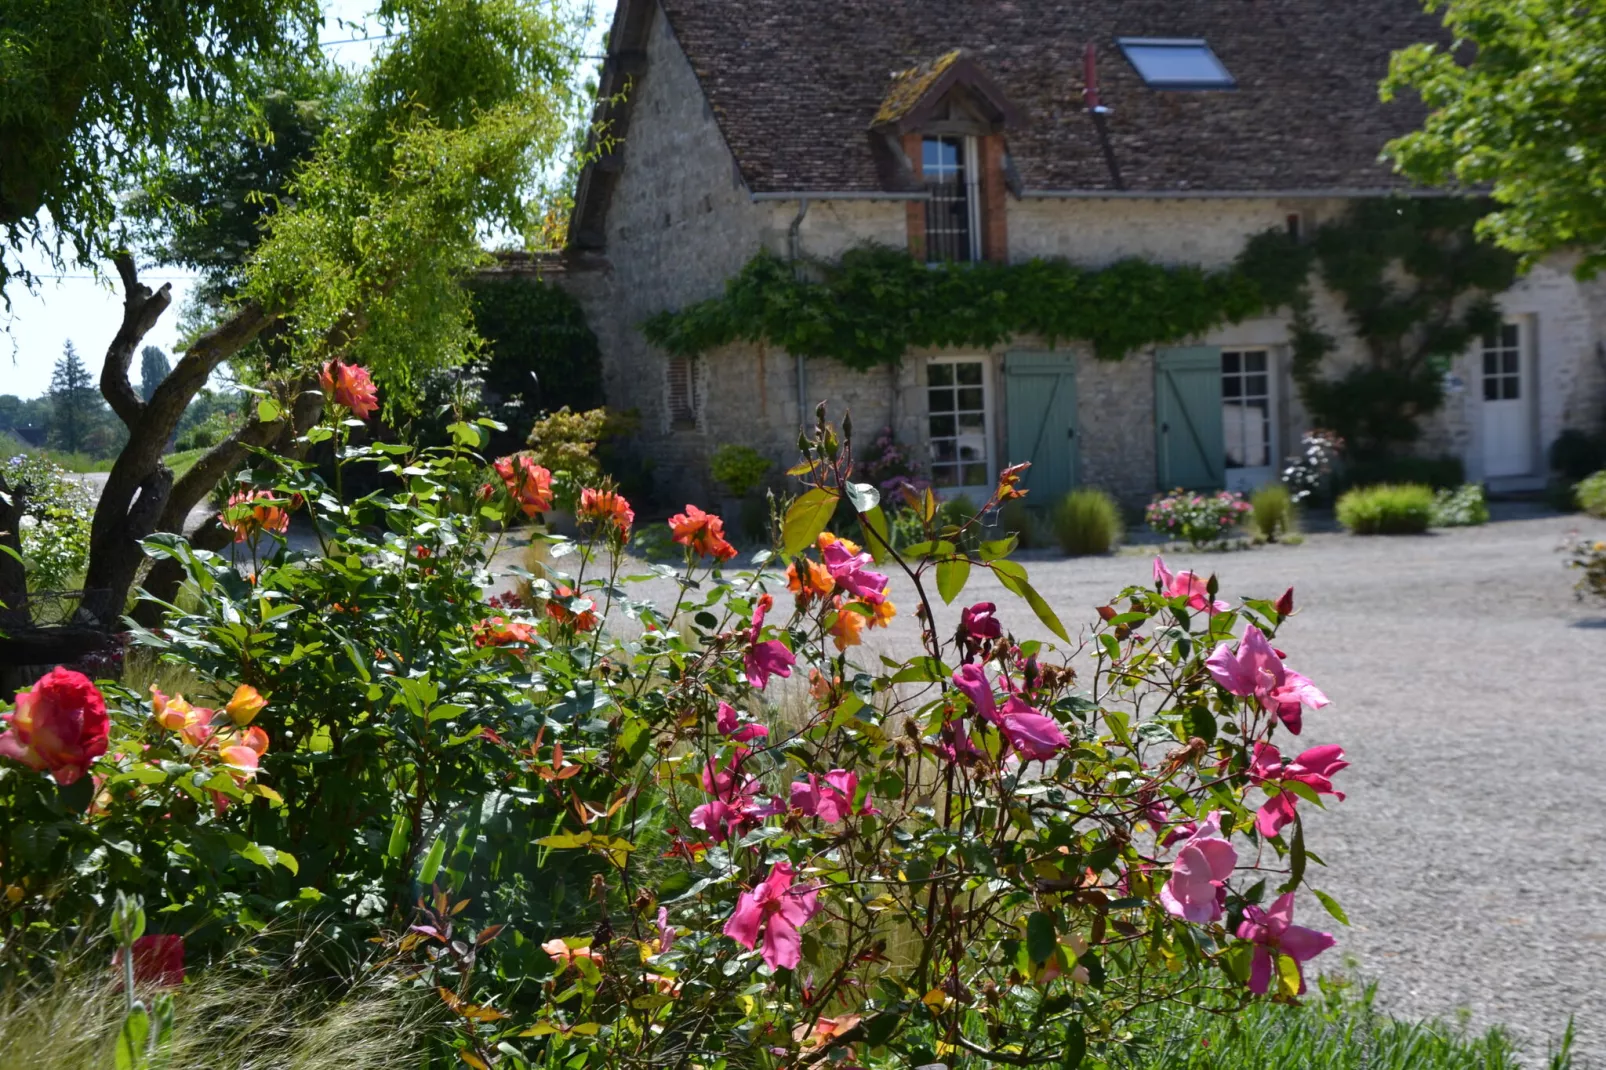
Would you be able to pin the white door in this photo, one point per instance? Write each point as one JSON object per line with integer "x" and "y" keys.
{"x": 1507, "y": 406}
{"x": 1247, "y": 420}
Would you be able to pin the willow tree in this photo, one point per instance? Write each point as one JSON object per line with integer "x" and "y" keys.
{"x": 440, "y": 141}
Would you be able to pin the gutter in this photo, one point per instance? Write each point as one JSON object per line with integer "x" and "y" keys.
{"x": 1223, "y": 195}
{"x": 845, "y": 195}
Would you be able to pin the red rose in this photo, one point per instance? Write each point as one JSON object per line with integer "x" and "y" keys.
{"x": 59, "y": 724}
{"x": 158, "y": 961}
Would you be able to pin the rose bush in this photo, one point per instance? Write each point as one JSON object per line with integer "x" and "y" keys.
{"x": 608, "y": 832}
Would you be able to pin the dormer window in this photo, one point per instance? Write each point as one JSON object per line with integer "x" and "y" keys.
{"x": 953, "y": 215}
{"x": 1176, "y": 63}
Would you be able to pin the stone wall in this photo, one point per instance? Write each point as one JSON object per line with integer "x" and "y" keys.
{"x": 1566, "y": 319}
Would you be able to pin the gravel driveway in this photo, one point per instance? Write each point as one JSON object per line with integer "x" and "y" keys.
{"x": 1469, "y": 692}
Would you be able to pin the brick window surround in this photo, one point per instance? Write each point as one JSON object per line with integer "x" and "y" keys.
{"x": 993, "y": 190}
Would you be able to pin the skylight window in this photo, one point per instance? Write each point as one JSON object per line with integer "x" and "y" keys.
{"x": 1176, "y": 63}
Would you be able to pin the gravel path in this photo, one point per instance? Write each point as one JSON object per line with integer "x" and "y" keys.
{"x": 1469, "y": 690}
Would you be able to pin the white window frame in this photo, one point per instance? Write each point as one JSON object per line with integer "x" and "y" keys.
{"x": 1485, "y": 350}
{"x": 972, "y": 163}
{"x": 1272, "y": 454}
{"x": 979, "y": 492}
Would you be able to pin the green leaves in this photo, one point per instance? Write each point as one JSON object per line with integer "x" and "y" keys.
{"x": 876, "y": 304}
{"x": 1331, "y": 906}
{"x": 432, "y": 861}
{"x": 806, "y": 518}
{"x": 877, "y": 537}
{"x": 951, "y": 577}
{"x": 1013, "y": 576}
{"x": 1041, "y": 940}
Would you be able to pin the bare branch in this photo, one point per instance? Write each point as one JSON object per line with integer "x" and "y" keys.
{"x": 141, "y": 309}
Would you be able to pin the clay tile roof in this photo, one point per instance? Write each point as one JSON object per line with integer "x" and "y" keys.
{"x": 796, "y": 87}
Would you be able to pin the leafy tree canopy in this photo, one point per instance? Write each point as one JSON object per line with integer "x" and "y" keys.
{"x": 92, "y": 88}
{"x": 1518, "y": 106}
{"x": 440, "y": 144}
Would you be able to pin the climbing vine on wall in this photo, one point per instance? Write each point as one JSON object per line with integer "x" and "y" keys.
{"x": 532, "y": 327}
{"x": 1418, "y": 288}
{"x": 877, "y": 303}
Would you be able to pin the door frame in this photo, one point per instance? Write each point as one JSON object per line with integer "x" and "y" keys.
{"x": 1273, "y": 417}
{"x": 1528, "y": 378}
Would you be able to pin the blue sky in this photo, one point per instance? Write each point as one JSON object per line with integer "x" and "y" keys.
{"x": 86, "y": 310}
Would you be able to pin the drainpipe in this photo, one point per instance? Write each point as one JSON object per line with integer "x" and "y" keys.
{"x": 1100, "y": 113}
{"x": 794, "y": 249}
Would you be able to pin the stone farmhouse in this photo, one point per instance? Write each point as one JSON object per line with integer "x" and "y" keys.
{"x": 1008, "y": 130}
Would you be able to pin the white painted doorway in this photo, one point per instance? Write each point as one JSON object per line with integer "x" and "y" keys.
{"x": 1507, "y": 393}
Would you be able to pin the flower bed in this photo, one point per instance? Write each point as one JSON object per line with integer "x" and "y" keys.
{"x": 1201, "y": 519}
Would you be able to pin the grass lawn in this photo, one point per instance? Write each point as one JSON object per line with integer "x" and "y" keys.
{"x": 179, "y": 462}
{"x": 1338, "y": 1028}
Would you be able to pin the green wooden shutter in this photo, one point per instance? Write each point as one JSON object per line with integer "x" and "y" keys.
{"x": 1040, "y": 400}
{"x": 1191, "y": 450}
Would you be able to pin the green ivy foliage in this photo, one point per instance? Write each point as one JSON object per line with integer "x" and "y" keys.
{"x": 531, "y": 326}
{"x": 877, "y": 303}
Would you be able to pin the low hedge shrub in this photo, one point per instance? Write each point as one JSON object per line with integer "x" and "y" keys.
{"x": 1387, "y": 509}
{"x": 1463, "y": 507}
{"x": 1439, "y": 473}
{"x": 1591, "y": 494}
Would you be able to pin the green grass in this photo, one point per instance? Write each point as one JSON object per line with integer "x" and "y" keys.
{"x": 1087, "y": 521}
{"x": 1338, "y": 1028}
{"x": 184, "y": 460}
{"x": 1387, "y": 509}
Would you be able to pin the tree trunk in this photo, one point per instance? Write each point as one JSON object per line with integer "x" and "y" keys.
{"x": 13, "y": 577}
{"x": 165, "y": 576}
{"x": 140, "y": 488}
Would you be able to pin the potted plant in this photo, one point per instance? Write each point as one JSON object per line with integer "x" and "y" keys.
{"x": 740, "y": 471}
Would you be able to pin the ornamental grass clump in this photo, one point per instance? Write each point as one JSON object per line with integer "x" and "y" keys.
{"x": 1087, "y": 521}
{"x": 1201, "y": 519}
{"x": 697, "y": 838}
{"x": 1387, "y": 509}
{"x": 1272, "y": 512}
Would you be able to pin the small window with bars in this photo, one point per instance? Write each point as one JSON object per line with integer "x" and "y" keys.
{"x": 1502, "y": 363}
{"x": 1246, "y": 407}
{"x": 953, "y": 222}
{"x": 682, "y": 385}
{"x": 956, "y": 424}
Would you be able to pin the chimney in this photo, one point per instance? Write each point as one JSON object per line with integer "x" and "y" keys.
{"x": 1090, "y": 81}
